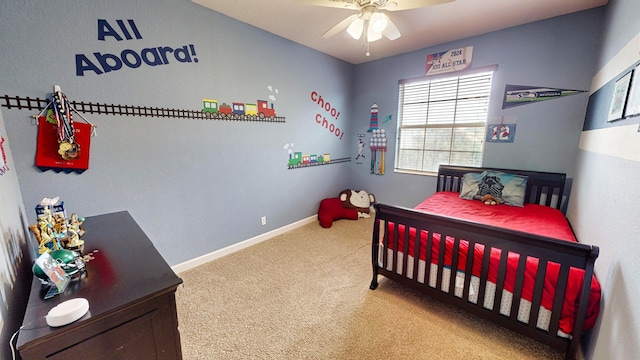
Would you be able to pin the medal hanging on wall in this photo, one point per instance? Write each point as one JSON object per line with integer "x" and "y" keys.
{"x": 62, "y": 143}
{"x": 68, "y": 147}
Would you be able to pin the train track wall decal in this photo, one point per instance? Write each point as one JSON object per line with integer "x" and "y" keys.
{"x": 31, "y": 103}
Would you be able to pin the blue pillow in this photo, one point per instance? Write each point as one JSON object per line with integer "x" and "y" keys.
{"x": 470, "y": 185}
{"x": 507, "y": 188}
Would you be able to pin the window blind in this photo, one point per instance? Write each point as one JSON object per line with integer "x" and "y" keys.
{"x": 442, "y": 121}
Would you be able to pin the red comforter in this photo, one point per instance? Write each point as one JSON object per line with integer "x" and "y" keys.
{"x": 526, "y": 219}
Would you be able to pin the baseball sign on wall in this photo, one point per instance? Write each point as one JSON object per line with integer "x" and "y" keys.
{"x": 450, "y": 60}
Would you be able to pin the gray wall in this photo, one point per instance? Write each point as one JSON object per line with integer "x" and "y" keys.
{"x": 194, "y": 186}
{"x": 604, "y": 207}
{"x": 553, "y": 53}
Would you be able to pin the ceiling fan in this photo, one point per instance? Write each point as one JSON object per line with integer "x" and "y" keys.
{"x": 370, "y": 21}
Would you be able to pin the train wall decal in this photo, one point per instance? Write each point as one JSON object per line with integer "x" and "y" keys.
{"x": 297, "y": 159}
{"x": 260, "y": 110}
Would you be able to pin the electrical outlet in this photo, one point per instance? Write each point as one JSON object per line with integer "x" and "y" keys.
{"x": 263, "y": 220}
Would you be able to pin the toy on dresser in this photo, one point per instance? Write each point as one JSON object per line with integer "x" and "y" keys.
{"x": 60, "y": 247}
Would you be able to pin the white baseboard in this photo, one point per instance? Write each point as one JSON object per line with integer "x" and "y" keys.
{"x": 190, "y": 264}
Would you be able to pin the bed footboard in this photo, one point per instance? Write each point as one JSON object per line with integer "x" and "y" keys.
{"x": 393, "y": 257}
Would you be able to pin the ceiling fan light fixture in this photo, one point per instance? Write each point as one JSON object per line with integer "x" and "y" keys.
{"x": 378, "y": 22}
{"x": 355, "y": 28}
{"x": 373, "y": 35}
{"x": 371, "y": 19}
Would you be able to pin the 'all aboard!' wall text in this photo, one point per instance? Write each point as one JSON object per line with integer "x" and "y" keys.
{"x": 101, "y": 63}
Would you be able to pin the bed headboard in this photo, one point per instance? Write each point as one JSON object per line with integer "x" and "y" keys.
{"x": 544, "y": 188}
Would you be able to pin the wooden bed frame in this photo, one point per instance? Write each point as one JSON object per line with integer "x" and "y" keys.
{"x": 542, "y": 188}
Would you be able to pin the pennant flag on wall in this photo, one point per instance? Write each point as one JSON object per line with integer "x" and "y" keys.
{"x": 516, "y": 95}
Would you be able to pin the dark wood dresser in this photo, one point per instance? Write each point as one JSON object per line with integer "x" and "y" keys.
{"x": 131, "y": 294}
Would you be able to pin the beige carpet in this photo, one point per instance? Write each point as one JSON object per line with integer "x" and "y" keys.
{"x": 305, "y": 295}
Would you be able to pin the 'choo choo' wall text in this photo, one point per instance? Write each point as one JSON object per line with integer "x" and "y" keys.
{"x": 331, "y": 111}
{"x": 100, "y": 63}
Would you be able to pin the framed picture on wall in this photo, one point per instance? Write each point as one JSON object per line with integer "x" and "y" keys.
{"x": 619, "y": 97}
{"x": 633, "y": 101}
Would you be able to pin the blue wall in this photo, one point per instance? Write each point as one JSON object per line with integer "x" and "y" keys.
{"x": 194, "y": 186}
{"x": 553, "y": 53}
{"x": 604, "y": 207}
{"x": 198, "y": 186}
{"x": 15, "y": 247}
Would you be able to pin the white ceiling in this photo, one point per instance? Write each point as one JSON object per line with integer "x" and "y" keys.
{"x": 420, "y": 28}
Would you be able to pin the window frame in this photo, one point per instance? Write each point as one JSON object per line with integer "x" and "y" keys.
{"x": 399, "y": 127}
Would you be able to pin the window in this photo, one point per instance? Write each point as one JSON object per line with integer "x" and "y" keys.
{"x": 442, "y": 121}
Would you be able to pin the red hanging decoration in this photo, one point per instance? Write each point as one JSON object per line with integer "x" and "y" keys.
{"x": 62, "y": 143}
{"x": 47, "y": 156}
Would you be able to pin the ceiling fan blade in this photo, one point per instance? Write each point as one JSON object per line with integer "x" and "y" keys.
{"x": 391, "y": 31}
{"x": 410, "y": 4}
{"x": 341, "y": 4}
{"x": 342, "y": 25}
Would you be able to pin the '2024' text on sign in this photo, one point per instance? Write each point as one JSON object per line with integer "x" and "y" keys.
{"x": 450, "y": 60}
